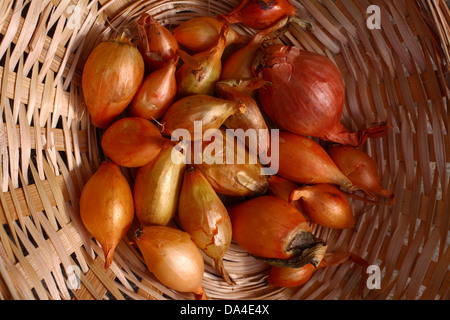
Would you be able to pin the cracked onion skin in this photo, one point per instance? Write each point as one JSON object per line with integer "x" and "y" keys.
{"x": 112, "y": 75}
{"x": 106, "y": 207}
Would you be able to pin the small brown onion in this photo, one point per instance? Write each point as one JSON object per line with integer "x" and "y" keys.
{"x": 157, "y": 44}
{"x": 106, "y": 207}
{"x": 173, "y": 258}
{"x": 273, "y": 230}
{"x": 210, "y": 111}
{"x": 203, "y": 215}
{"x": 132, "y": 142}
{"x": 241, "y": 177}
{"x": 112, "y": 75}
{"x": 157, "y": 187}
{"x": 201, "y": 33}
{"x": 156, "y": 94}
{"x": 281, "y": 188}
{"x": 325, "y": 205}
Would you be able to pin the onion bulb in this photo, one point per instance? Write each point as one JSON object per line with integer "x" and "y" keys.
{"x": 156, "y": 94}
{"x": 106, "y": 207}
{"x": 201, "y": 33}
{"x": 157, "y": 188}
{"x": 202, "y": 214}
{"x": 325, "y": 205}
{"x": 209, "y": 111}
{"x": 173, "y": 258}
{"x": 271, "y": 229}
{"x": 132, "y": 142}
{"x": 307, "y": 95}
{"x": 157, "y": 44}
{"x": 361, "y": 169}
{"x": 260, "y": 14}
{"x": 112, "y": 75}
{"x": 302, "y": 160}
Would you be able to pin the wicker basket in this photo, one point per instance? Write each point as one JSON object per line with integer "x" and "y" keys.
{"x": 397, "y": 74}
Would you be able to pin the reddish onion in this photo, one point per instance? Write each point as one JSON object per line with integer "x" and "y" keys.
{"x": 302, "y": 160}
{"x": 361, "y": 169}
{"x": 307, "y": 95}
{"x": 112, "y": 75}
{"x": 156, "y": 94}
{"x": 325, "y": 205}
{"x": 273, "y": 230}
{"x": 133, "y": 142}
{"x": 106, "y": 207}
{"x": 260, "y": 14}
{"x": 157, "y": 44}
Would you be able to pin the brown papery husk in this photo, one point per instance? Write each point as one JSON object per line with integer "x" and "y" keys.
{"x": 156, "y": 94}
{"x": 316, "y": 108}
{"x": 252, "y": 119}
{"x": 324, "y": 205}
{"x": 163, "y": 248}
{"x": 111, "y": 76}
{"x": 210, "y": 111}
{"x": 203, "y": 215}
{"x": 272, "y": 230}
{"x": 362, "y": 170}
{"x": 106, "y": 207}
{"x": 157, "y": 187}
{"x": 200, "y": 72}
{"x": 157, "y": 44}
{"x": 201, "y": 33}
{"x": 302, "y": 160}
{"x": 241, "y": 176}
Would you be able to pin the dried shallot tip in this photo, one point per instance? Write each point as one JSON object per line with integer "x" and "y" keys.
{"x": 203, "y": 215}
{"x": 132, "y": 142}
{"x": 272, "y": 230}
{"x": 207, "y": 111}
{"x": 199, "y": 73}
{"x": 106, "y": 208}
{"x": 157, "y": 188}
{"x": 156, "y": 94}
{"x": 157, "y": 44}
{"x": 325, "y": 205}
{"x": 362, "y": 170}
{"x": 304, "y": 161}
{"x": 316, "y": 108}
{"x": 252, "y": 120}
{"x": 106, "y": 91}
{"x": 163, "y": 248}
{"x": 201, "y": 33}
{"x": 260, "y": 14}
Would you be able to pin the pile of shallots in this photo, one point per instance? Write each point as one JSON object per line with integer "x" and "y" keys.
{"x": 139, "y": 95}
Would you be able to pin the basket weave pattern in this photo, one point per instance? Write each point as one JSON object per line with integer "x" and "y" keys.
{"x": 398, "y": 74}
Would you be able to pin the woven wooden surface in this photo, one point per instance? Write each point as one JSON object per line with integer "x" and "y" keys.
{"x": 398, "y": 74}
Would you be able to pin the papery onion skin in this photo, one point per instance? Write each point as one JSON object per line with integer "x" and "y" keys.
{"x": 260, "y": 14}
{"x": 271, "y": 228}
{"x": 325, "y": 205}
{"x": 307, "y": 95}
{"x": 302, "y": 160}
{"x": 202, "y": 214}
{"x": 210, "y": 111}
{"x": 201, "y": 33}
{"x": 106, "y": 207}
{"x": 132, "y": 142}
{"x": 112, "y": 74}
{"x": 157, "y": 188}
{"x": 157, "y": 44}
{"x": 281, "y": 188}
{"x": 172, "y": 257}
{"x": 156, "y": 94}
{"x": 234, "y": 179}
{"x": 361, "y": 169}
{"x": 252, "y": 119}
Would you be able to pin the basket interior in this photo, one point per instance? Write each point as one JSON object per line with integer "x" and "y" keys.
{"x": 398, "y": 74}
